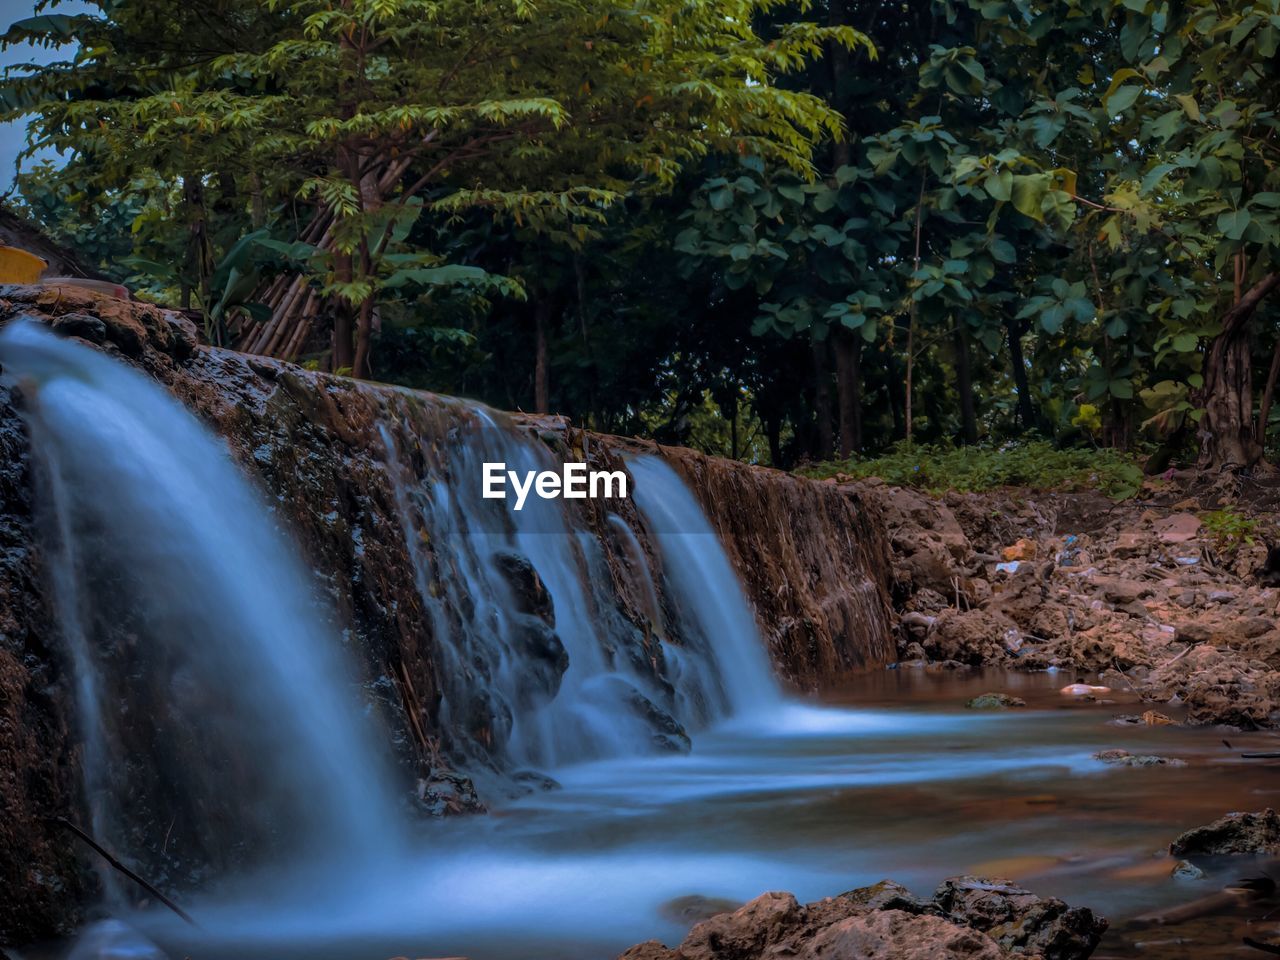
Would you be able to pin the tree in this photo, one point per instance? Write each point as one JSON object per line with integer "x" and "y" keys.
{"x": 373, "y": 110}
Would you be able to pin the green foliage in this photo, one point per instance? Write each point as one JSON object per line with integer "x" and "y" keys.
{"x": 931, "y": 222}
{"x": 1036, "y": 465}
{"x": 1229, "y": 529}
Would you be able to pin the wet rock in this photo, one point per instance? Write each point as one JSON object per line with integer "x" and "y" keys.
{"x": 968, "y": 918}
{"x": 544, "y": 657}
{"x": 694, "y": 908}
{"x": 1186, "y": 870}
{"x": 1083, "y": 690}
{"x": 445, "y": 792}
{"x": 1123, "y": 758}
{"x": 895, "y": 935}
{"x": 82, "y": 325}
{"x": 994, "y": 701}
{"x": 530, "y": 594}
{"x": 1019, "y": 920}
{"x": 1235, "y": 833}
{"x": 888, "y": 895}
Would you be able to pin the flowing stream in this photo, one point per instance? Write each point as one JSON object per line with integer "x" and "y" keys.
{"x": 685, "y": 778}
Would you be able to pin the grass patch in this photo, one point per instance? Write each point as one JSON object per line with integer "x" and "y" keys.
{"x": 1036, "y": 464}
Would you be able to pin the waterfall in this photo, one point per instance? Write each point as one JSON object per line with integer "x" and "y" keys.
{"x": 697, "y": 570}
{"x": 533, "y": 648}
{"x": 218, "y": 708}
{"x": 542, "y": 660}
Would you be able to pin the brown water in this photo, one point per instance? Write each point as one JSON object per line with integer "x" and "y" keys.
{"x": 890, "y": 776}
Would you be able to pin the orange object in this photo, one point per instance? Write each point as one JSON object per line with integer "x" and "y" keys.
{"x": 18, "y": 266}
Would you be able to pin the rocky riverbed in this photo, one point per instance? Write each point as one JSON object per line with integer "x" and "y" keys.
{"x": 1167, "y": 596}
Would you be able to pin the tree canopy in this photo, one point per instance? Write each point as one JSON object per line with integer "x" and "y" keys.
{"x": 781, "y": 231}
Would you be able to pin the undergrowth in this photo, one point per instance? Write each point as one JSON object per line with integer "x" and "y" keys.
{"x": 1035, "y": 464}
{"x": 1229, "y": 529}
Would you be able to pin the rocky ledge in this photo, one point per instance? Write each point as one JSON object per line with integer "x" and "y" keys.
{"x": 968, "y": 918}
{"x": 1168, "y": 596}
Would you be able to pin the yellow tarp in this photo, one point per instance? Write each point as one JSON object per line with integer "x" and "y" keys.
{"x": 18, "y": 266}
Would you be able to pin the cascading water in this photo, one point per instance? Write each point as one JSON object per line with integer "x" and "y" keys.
{"x": 527, "y": 626}
{"x": 215, "y": 700}
{"x": 707, "y": 587}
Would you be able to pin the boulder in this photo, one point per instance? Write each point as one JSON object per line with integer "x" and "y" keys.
{"x": 1019, "y": 920}
{"x": 973, "y": 637}
{"x": 968, "y": 919}
{"x": 1234, "y": 833}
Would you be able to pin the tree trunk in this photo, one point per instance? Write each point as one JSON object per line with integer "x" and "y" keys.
{"x": 848, "y": 392}
{"x": 1268, "y": 396}
{"x": 773, "y": 431}
{"x": 364, "y": 333}
{"x": 343, "y": 319}
{"x": 964, "y": 384}
{"x": 1228, "y": 434}
{"x": 893, "y": 388}
{"x": 1018, "y": 364}
{"x": 838, "y": 59}
{"x": 822, "y": 401}
{"x": 541, "y": 319}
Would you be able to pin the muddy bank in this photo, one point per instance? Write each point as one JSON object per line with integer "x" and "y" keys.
{"x": 335, "y": 458}
{"x": 1164, "y": 596}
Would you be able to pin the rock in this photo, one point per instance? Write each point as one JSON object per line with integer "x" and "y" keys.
{"x": 1193, "y": 633}
{"x": 1121, "y": 590}
{"x": 1234, "y": 833}
{"x": 529, "y": 592}
{"x": 83, "y": 325}
{"x": 694, "y": 908}
{"x": 1218, "y": 687}
{"x": 917, "y": 624}
{"x": 1019, "y": 920}
{"x": 968, "y": 919}
{"x": 1022, "y": 550}
{"x": 896, "y": 935}
{"x": 1186, "y": 870}
{"x": 913, "y": 652}
{"x": 1177, "y": 528}
{"x": 1124, "y": 758}
{"x": 969, "y": 636}
{"x": 1129, "y": 543}
{"x": 994, "y": 701}
{"x": 1083, "y": 690}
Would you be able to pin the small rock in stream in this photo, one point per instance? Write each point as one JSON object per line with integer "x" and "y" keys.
{"x": 994, "y": 701}
{"x": 1123, "y": 758}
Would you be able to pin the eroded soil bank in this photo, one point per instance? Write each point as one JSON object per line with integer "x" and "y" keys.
{"x": 1166, "y": 596}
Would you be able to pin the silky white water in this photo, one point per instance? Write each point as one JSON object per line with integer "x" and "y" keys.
{"x": 149, "y": 517}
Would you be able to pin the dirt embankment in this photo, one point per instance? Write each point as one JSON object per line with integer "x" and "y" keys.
{"x": 1158, "y": 596}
